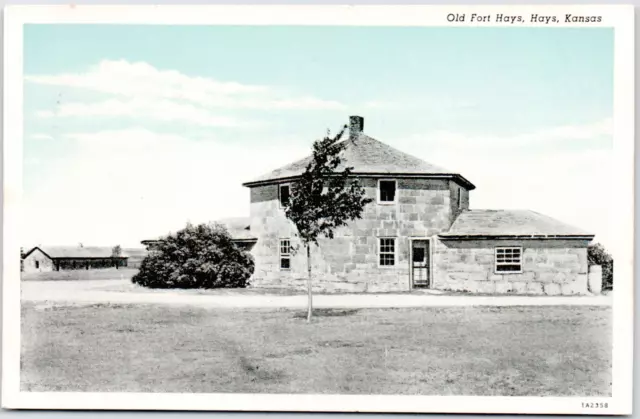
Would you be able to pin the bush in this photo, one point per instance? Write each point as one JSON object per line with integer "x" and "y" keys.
{"x": 200, "y": 256}
{"x": 598, "y": 255}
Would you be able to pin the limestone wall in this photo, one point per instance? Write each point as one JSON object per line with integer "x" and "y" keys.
{"x": 550, "y": 267}
{"x": 349, "y": 262}
{"x": 464, "y": 200}
{"x": 44, "y": 263}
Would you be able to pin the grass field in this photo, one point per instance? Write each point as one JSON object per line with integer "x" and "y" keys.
{"x": 519, "y": 351}
{"x": 80, "y": 274}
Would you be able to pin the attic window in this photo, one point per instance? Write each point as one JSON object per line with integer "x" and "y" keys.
{"x": 283, "y": 195}
{"x": 387, "y": 191}
{"x": 37, "y": 265}
{"x": 508, "y": 259}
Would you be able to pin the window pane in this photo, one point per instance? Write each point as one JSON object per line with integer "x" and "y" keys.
{"x": 285, "y": 263}
{"x": 387, "y": 259}
{"x": 284, "y": 194}
{"x": 387, "y": 190}
{"x": 508, "y": 268}
{"x": 387, "y": 245}
{"x": 285, "y": 247}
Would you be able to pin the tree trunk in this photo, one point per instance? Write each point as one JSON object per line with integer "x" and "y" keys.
{"x": 310, "y": 296}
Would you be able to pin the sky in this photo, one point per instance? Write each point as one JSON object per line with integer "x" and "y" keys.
{"x": 132, "y": 131}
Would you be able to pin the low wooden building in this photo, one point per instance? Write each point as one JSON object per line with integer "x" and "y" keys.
{"x": 44, "y": 259}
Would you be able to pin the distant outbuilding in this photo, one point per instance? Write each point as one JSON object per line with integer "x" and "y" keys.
{"x": 55, "y": 258}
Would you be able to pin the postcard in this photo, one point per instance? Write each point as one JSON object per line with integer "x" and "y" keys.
{"x": 340, "y": 208}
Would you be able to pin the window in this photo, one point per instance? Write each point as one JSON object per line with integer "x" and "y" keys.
{"x": 387, "y": 191}
{"x": 509, "y": 259}
{"x": 419, "y": 254}
{"x": 283, "y": 195}
{"x": 387, "y": 252}
{"x": 37, "y": 265}
{"x": 285, "y": 254}
{"x": 459, "y": 198}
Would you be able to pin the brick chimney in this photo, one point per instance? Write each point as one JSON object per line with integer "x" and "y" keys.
{"x": 356, "y": 125}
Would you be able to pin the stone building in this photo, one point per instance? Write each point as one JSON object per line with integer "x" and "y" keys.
{"x": 46, "y": 259}
{"x": 418, "y": 232}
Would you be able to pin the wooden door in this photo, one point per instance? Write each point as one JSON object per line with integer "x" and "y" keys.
{"x": 420, "y": 268}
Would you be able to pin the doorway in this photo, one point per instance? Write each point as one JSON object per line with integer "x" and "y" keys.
{"x": 420, "y": 266}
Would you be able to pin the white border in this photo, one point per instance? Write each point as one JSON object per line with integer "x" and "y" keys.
{"x": 617, "y": 16}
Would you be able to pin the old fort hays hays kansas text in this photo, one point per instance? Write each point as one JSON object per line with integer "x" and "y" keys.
{"x": 515, "y": 19}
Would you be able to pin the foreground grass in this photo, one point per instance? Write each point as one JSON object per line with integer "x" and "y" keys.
{"x": 520, "y": 351}
{"x": 80, "y": 274}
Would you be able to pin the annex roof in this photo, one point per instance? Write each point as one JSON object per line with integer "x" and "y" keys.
{"x": 368, "y": 156}
{"x": 472, "y": 224}
{"x": 238, "y": 228}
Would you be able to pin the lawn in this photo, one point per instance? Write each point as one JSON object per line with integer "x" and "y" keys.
{"x": 515, "y": 351}
{"x": 80, "y": 274}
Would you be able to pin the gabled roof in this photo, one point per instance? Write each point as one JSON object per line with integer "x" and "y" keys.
{"x": 472, "y": 224}
{"x": 368, "y": 156}
{"x": 55, "y": 252}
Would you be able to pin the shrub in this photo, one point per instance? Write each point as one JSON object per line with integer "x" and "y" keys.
{"x": 201, "y": 256}
{"x": 598, "y": 255}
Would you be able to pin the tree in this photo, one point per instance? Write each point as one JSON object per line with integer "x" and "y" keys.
{"x": 202, "y": 256}
{"x": 598, "y": 255}
{"x": 324, "y": 199}
{"x": 116, "y": 252}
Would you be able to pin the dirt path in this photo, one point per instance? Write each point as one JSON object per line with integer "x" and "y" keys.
{"x": 122, "y": 292}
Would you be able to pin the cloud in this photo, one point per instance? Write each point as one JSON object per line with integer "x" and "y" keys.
{"x": 142, "y": 80}
{"x": 431, "y": 104}
{"x": 590, "y": 131}
{"x": 121, "y": 77}
{"x": 568, "y": 184}
{"x": 157, "y": 110}
{"x": 123, "y": 186}
{"x": 43, "y": 137}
